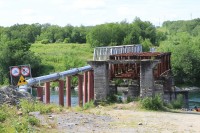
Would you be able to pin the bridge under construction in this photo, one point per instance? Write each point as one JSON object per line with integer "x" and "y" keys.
{"x": 149, "y": 73}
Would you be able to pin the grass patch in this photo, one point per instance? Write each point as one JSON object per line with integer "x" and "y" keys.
{"x": 12, "y": 122}
{"x": 31, "y": 106}
{"x": 59, "y": 57}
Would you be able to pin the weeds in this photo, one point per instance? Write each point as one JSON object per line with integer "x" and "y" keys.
{"x": 11, "y": 122}
{"x": 88, "y": 105}
{"x": 33, "y": 121}
{"x": 31, "y": 106}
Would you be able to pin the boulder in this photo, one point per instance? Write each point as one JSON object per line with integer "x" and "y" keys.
{"x": 9, "y": 95}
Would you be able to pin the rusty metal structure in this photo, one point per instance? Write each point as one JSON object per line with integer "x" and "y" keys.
{"x": 127, "y": 65}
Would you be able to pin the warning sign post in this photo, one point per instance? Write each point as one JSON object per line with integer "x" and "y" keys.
{"x": 22, "y": 81}
{"x": 19, "y": 74}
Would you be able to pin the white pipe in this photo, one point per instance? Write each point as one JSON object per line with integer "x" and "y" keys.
{"x": 55, "y": 76}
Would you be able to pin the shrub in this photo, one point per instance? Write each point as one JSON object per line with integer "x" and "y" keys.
{"x": 2, "y": 116}
{"x": 129, "y": 99}
{"x": 152, "y": 103}
{"x": 66, "y": 40}
{"x": 89, "y": 105}
{"x": 33, "y": 121}
{"x": 112, "y": 98}
{"x": 45, "y": 41}
{"x": 178, "y": 103}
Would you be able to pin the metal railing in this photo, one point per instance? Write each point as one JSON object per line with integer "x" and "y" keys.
{"x": 103, "y": 53}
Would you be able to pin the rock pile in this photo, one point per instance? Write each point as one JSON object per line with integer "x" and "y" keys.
{"x": 9, "y": 95}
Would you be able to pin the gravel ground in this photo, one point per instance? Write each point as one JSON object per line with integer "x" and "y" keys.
{"x": 121, "y": 118}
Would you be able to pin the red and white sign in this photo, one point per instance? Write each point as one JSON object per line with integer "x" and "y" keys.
{"x": 25, "y": 71}
{"x": 15, "y": 71}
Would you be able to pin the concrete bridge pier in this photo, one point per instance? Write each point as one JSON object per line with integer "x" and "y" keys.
{"x": 147, "y": 88}
{"x": 101, "y": 79}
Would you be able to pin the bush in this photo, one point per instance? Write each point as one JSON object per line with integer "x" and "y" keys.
{"x": 129, "y": 99}
{"x": 33, "y": 121}
{"x": 2, "y": 116}
{"x": 152, "y": 103}
{"x": 178, "y": 103}
{"x": 66, "y": 40}
{"x": 45, "y": 41}
{"x": 88, "y": 105}
{"x": 112, "y": 98}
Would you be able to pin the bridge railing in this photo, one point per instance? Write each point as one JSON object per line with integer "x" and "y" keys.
{"x": 103, "y": 53}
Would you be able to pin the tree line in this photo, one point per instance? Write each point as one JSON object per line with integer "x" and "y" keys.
{"x": 100, "y": 35}
{"x": 179, "y": 37}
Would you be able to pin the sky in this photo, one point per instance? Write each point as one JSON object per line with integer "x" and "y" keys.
{"x": 94, "y": 12}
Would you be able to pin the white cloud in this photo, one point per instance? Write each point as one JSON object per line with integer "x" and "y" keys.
{"x": 89, "y": 4}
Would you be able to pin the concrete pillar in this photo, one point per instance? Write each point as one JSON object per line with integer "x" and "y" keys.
{"x": 85, "y": 87}
{"x": 146, "y": 78}
{"x": 40, "y": 93}
{"x": 80, "y": 90}
{"x": 47, "y": 92}
{"x": 101, "y": 79}
{"x": 61, "y": 92}
{"x": 68, "y": 91}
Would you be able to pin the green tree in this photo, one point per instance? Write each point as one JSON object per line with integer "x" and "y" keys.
{"x": 185, "y": 57}
{"x": 16, "y": 52}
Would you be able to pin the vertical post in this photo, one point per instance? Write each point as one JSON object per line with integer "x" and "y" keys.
{"x": 92, "y": 84}
{"x": 61, "y": 92}
{"x": 85, "y": 88}
{"x": 40, "y": 93}
{"x": 80, "y": 90}
{"x": 89, "y": 85}
{"x": 47, "y": 92}
{"x": 68, "y": 91}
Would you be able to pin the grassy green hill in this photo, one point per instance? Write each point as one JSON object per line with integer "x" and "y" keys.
{"x": 59, "y": 57}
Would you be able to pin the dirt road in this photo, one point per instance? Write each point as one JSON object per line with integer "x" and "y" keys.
{"x": 121, "y": 118}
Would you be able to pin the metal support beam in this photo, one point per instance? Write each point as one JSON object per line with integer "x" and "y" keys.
{"x": 68, "y": 91}
{"x": 80, "y": 90}
{"x": 85, "y": 87}
{"x": 40, "y": 93}
{"x": 47, "y": 92}
{"x": 92, "y": 84}
{"x": 61, "y": 92}
{"x": 89, "y": 85}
